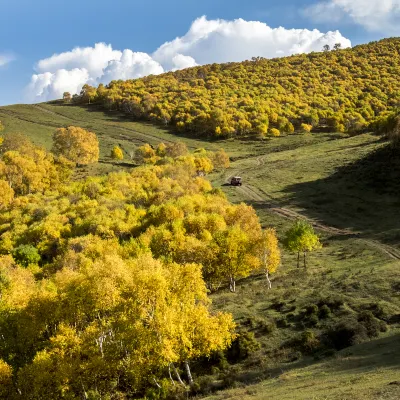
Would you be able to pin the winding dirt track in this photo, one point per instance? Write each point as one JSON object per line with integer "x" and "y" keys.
{"x": 256, "y": 194}
{"x": 250, "y": 192}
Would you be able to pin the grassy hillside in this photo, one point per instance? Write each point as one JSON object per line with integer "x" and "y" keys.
{"x": 348, "y": 188}
{"x": 340, "y": 90}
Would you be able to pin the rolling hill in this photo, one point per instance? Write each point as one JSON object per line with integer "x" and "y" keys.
{"x": 347, "y": 186}
{"x": 340, "y": 90}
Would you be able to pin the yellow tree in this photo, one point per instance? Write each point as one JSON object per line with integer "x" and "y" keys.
{"x": 270, "y": 254}
{"x": 220, "y": 159}
{"x": 117, "y": 153}
{"x": 76, "y": 144}
{"x": 234, "y": 257}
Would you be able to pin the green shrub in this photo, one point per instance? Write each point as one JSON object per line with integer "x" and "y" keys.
{"x": 244, "y": 345}
{"x": 25, "y": 255}
{"x": 346, "y": 333}
{"x": 371, "y": 324}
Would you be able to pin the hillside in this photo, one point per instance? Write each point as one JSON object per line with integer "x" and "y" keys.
{"x": 340, "y": 90}
{"x": 329, "y": 178}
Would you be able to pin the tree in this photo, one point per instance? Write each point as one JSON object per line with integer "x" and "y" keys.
{"x": 234, "y": 258}
{"x": 67, "y": 97}
{"x": 76, "y": 144}
{"x": 270, "y": 254}
{"x": 25, "y": 255}
{"x": 117, "y": 153}
{"x": 17, "y": 142}
{"x": 337, "y": 46}
{"x": 220, "y": 159}
{"x": 176, "y": 149}
{"x": 300, "y": 238}
{"x": 326, "y": 48}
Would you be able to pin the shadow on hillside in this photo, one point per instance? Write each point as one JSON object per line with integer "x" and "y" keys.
{"x": 363, "y": 196}
{"x": 369, "y": 356}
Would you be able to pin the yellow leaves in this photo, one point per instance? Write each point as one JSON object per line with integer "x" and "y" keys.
{"x": 6, "y": 383}
{"x": 76, "y": 144}
{"x": 6, "y": 193}
{"x": 270, "y": 255}
{"x": 117, "y": 153}
{"x": 274, "y": 132}
{"x": 306, "y": 128}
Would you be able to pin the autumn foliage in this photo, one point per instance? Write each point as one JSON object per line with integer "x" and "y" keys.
{"x": 342, "y": 90}
{"x": 76, "y": 144}
{"x": 104, "y": 281}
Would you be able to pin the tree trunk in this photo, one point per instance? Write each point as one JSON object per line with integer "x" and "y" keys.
{"x": 305, "y": 264}
{"x": 188, "y": 373}
{"x": 178, "y": 376}
{"x": 298, "y": 259}
{"x": 232, "y": 285}
{"x": 170, "y": 375}
{"x": 268, "y": 280}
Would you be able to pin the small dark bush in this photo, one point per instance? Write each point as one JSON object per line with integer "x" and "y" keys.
{"x": 370, "y": 323}
{"x": 312, "y": 320}
{"x": 244, "y": 345}
{"x": 311, "y": 309}
{"x": 378, "y": 311}
{"x": 324, "y": 312}
{"x": 282, "y": 323}
{"x": 278, "y": 305}
{"x": 346, "y": 333}
{"x": 333, "y": 302}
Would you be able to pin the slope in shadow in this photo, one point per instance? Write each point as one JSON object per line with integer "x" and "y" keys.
{"x": 363, "y": 196}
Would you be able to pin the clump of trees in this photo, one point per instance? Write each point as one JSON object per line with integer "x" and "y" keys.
{"x": 343, "y": 90}
{"x": 104, "y": 281}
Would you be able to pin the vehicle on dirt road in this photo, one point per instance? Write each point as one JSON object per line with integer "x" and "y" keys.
{"x": 236, "y": 181}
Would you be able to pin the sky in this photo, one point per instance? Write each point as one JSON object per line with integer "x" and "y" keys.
{"x": 51, "y": 46}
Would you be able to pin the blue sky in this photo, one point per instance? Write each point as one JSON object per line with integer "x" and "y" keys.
{"x": 34, "y": 30}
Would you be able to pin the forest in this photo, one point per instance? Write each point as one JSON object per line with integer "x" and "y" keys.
{"x": 340, "y": 90}
{"x": 104, "y": 281}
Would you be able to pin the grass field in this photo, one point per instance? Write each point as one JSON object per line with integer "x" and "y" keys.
{"x": 347, "y": 186}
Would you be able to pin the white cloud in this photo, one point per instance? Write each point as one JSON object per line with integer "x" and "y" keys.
{"x": 223, "y": 41}
{"x": 207, "y": 41}
{"x": 131, "y": 65}
{"x": 6, "y": 58}
{"x": 374, "y": 15}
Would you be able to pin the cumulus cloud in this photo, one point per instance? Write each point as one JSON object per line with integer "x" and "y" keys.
{"x": 131, "y": 65}
{"x": 6, "y": 58}
{"x": 374, "y": 15}
{"x": 207, "y": 41}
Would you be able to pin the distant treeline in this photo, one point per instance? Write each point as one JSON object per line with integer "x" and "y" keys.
{"x": 340, "y": 90}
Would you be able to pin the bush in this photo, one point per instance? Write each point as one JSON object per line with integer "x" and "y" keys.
{"x": 25, "y": 255}
{"x": 274, "y": 132}
{"x": 305, "y": 128}
{"x": 324, "y": 312}
{"x": 347, "y": 333}
{"x": 244, "y": 345}
{"x": 371, "y": 324}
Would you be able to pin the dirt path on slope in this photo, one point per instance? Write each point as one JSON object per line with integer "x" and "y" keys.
{"x": 258, "y": 195}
